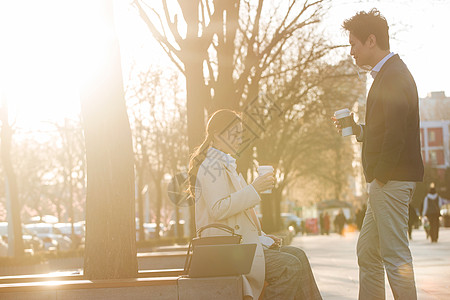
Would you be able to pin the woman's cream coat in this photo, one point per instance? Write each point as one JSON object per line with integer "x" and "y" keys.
{"x": 223, "y": 196}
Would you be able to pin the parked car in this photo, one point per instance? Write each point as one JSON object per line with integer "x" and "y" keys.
{"x": 79, "y": 232}
{"x": 50, "y": 244}
{"x": 31, "y": 242}
{"x": 291, "y": 220}
{"x": 43, "y": 219}
{"x": 49, "y": 233}
{"x": 3, "y": 248}
{"x": 150, "y": 230}
{"x": 172, "y": 228}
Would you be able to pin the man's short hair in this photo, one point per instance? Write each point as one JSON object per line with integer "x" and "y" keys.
{"x": 364, "y": 24}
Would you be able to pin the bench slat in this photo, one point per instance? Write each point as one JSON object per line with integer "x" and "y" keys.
{"x": 86, "y": 284}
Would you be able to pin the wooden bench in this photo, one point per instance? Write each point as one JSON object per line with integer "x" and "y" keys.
{"x": 161, "y": 260}
{"x": 62, "y": 276}
{"x": 160, "y": 288}
{"x": 154, "y": 284}
{"x": 171, "y": 248}
{"x": 146, "y": 261}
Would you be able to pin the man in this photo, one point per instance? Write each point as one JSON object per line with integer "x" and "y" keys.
{"x": 391, "y": 159}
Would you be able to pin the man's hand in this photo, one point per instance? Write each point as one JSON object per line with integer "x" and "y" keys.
{"x": 355, "y": 127}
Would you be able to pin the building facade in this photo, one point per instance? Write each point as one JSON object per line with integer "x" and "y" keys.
{"x": 435, "y": 131}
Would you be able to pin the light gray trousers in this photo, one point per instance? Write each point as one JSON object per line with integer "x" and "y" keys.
{"x": 383, "y": 243}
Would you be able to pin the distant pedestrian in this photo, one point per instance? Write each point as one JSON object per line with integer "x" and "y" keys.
{"x": 326, "y": 223}
{"x": 321, "y": 223}
{"x": 339, "y": 222}
{"x": 431, "y": 209}
{"x": 303, "y": 227}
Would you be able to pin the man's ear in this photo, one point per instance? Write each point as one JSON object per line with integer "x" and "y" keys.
{"x": 371, "y": 40}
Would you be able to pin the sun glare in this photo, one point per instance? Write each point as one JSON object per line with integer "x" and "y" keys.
{"x": 45, "y": 45}
{"x": 37, "y": 58}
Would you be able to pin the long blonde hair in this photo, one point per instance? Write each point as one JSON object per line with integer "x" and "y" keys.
{"x": 217, "y": 123}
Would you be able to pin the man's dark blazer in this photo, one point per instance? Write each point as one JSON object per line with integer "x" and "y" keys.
{"x": 391, "y": 134}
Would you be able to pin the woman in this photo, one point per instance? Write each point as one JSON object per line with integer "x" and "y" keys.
{"x": 222, "y": 196}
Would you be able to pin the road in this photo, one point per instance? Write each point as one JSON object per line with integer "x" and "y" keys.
{"x": 334, "y": 263}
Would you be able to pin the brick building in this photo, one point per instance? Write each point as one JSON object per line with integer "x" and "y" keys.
{"x": 435, "y": 130}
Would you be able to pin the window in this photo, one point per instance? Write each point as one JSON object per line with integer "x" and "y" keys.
{"x": 432, "y": 136}
{"x": 435, "y": 137}
{"x": 422, "y": 142}
{"x": 437, "y": 157}
{"x": 433, "y": 157}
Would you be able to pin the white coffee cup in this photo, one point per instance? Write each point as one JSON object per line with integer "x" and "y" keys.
{"x": 264, "y": 170}
{"x": 345, "y": 120}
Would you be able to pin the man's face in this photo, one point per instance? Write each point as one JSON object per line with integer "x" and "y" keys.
{"x": 360, "y": 52}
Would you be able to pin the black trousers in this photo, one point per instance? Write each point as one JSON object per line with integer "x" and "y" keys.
{"x": 434, "y": 227}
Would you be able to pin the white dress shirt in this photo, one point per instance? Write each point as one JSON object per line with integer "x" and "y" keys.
{"x": 380, "y": 64}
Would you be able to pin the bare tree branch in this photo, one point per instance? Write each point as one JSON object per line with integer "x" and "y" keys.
{"x": 170, "y": 50}
{"x": 173, "y": 26}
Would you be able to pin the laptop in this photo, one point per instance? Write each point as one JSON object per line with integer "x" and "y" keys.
{"x": 222, "y": 260}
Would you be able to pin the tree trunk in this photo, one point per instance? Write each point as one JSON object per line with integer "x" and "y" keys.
{"x": 15, "y": 242}
{"x": 267, "y": 210}
{"x": 338, "y": 175}
{"x": 196, "y": 95}
{"x": 277, "y": 198}
{"x": 68, "y": 177}
{"x": 110, "y": 205}
{"x": 75, "y": 242}
{"x": 140, "y": 200}
{"x": 178, "y": 227}
{"x": 158, "y": 206}
{"x": 195, "y": 118}
{"x": 58, "y": 208}
{"x": 224, "y": 93}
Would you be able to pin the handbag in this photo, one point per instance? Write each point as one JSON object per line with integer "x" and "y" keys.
{"x": 233, "y": 238}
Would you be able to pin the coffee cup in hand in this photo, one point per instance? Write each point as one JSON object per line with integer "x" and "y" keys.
{"x": 264, "y": 170}
{"x": 344, "y": 118}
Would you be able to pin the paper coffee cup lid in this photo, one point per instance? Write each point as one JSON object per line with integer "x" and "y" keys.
{"x": 265, "y": 167}
{"x": 345, "y": 112}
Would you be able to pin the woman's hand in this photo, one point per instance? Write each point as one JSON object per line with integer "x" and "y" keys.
{"x": 278, "y": 241}
{"x": 264, "y": 182}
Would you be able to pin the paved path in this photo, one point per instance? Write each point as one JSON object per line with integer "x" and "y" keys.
{"x": 333, "y": 259}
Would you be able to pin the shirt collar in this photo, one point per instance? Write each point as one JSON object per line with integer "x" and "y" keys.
{"x": 226, "y": 159}
{"x": 380, "y": 64}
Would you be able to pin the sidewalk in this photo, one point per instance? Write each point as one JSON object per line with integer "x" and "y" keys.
{"x": 334, "y": 263}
